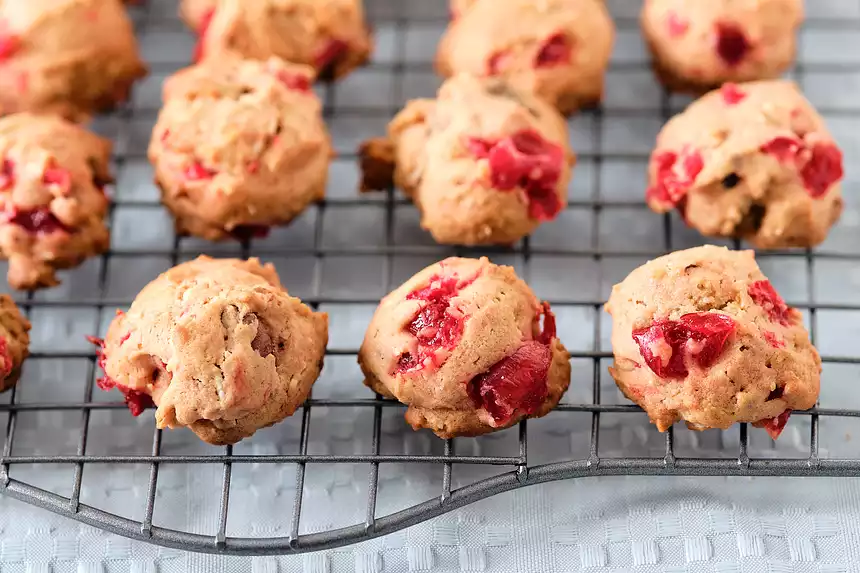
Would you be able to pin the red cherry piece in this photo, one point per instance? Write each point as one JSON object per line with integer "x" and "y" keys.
{"x": 525, "y": 160}
{"x": 59, "y": 177}
{"x": 7, "y": 358}
{"x": 329, "y": 55}
{"x": 136, "y": 401}
{"x": 7, "y": 174}
{"x": 517, "y": 383}
{"x": 731, "y": 43}
{"x": 823, "y": 169}
{"x": 437, "y": 326}
{"x": 676, "y": 24}
{"x": 764, "y": 295}
{"x": 198, "y": 172}
{"x": 554, "y": 51}
{"x": 246, "y": 232}
{"x": 547, "y": 331}
{"x": 785, "y": 149}
{"x": 773, "y": 340}
{"x": 774, "y": 426}
{"x": 39, "y": 221}
{"x": 293, "y": 81}
{"x": 668, "y": 345}
{"x": 675, "y": 174}
{"x": 125, "y": 337}
{"x": 9, "y": 44}
{"x": 732, "y": 93}
{"x": 497, "y": 62}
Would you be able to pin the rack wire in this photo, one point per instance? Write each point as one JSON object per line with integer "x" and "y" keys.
{"x": 515, "y": 470}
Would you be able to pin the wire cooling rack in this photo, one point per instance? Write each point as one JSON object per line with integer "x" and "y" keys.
{"x": 346, "y": 252}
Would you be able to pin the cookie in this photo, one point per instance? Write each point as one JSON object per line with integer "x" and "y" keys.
{"x": 468, "y": 347}
{"x": 753, "y": 161}
{"x": 239, "y": 146}
{"x": 218, "y": 346}
{"x": 14, "y": 342}
{"x": 558, "y": 49}
{"x": 329, "y": 35}
{"x": 67, "y": 57}
{"x": 483, "y": 162}
{"x": 702, "y": 336}
{"x": 697, "y": 46}
{"x": 52, "y": 198}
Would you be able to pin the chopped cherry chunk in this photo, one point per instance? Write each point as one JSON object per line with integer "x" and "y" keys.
{"x": 205, "y": 22}
{"x": 547, "y": 330}
{"x": 515, "y": 384}
{"x": 497, "y": 62}
{"x": 7, "y": 174}
{"x": 198, "y": 172}
{"x": 554, "y": 51}
{"x": 732, "y": 93}
{"x": 39, "y": 221}
{"x": 246, "y": 232}
{"x": 784, "y": 148}
{"x": 676, "y": 24}
{"x": 9, "y": 44}
{"x": 764, "y": 295}
{"x": 774, "y": 426}
{"x": 773, "y": 340}
{"x": 525, "y": 160}
{"x": 437, "y": 326}
{"x": 294, "y": 81}
{"x": 731, "y": 43}
{"x": 328, "y": 56}
{"x": 59, "y": 177}
{"x": 667, "y": 345}
{"x": 675, "y": 174}
{"x": 6, "y": 356}
{"x": 822, "y": 170}
{"x": 136, "y": 401}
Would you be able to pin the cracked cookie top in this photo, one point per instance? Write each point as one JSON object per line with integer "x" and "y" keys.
{"x": 219, "y": 346}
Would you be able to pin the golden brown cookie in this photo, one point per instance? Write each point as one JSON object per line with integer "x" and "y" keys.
{"x": 329, "y": 35}
{"x": 753, "y": 161}
{"x": 483, "y": 162}
{"x": 697, "y": 46}
{"x": 239, "y": 146}
{"x": 69, "y": 57}
{"x": 468, "y": 347}
{"x": 218, "y": 346}
{"x": 702, "y": 336}
{"x": 558, "y": 49}
{"x": 52, "y": 199}
{"x": 14, "y": 342}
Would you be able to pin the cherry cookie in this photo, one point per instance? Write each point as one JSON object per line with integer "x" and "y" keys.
{"x": 52, "y": 199}
{"x": 702, "y": 336}
{"x": 329, "y": 35}
{"x": 239, "y": 146}
{"x": 468, "y": 347}
{"x": 218, "y": 346}
{"x": 484, "y": 163}
{"x": 558, "y": 49}
{"x": 14, "y": 342}
{"x": 68, "y": 57}
{"x": 752, "y": 161}
{"x": 697, "y": 46}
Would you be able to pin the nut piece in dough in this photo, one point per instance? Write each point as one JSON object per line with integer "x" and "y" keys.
{"x": 468, "y": 347}
{"x": 484, "y": 163}
{"x": 14, "y": 342}
{"x": 66, "y": 57}
{"x": 701, "y": 336}
{"x": 239, "y": 146}
{"x": 52, "y": 199}
{"x": 752, "y": 161}
{"x": 697, "y": 46}
{"x": 558, "y": 49}
{"x": 329, "y": 35}
{"x": 218, "y": 346}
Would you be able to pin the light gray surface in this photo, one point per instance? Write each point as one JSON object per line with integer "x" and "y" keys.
{"x": 262, "y": 495}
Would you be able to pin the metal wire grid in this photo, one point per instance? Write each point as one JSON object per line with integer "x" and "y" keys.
{"x": 520, "y": 473}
